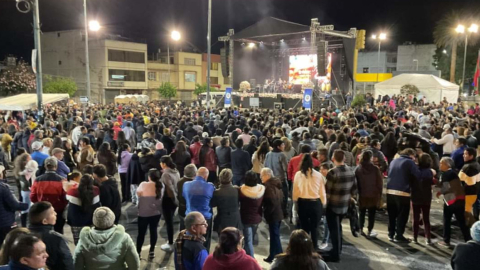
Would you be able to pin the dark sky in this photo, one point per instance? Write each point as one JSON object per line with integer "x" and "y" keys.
{"x": 403, "y": 20}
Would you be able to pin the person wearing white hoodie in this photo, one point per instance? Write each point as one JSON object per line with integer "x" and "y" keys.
{"x": 251, "y": 198}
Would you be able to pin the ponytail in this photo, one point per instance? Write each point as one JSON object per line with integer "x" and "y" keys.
{"x": 154, "y": 175}
{"x": 168, "y": 161}
{"x": 123, "y": 147}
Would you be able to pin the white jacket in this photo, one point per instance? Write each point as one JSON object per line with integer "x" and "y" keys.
{"x": 448, "y": 142}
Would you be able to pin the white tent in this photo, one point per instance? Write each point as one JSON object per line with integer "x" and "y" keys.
{"x": 125, "y": 99}
{"x": 25, "y": 102}
{"x": 433, "y": 88}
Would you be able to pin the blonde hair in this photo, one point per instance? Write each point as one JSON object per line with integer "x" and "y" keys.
{"x": 288, "y": 144}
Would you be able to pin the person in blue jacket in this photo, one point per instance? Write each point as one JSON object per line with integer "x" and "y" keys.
{"x": 190, "y": 253}
{"x": 8, "y": 205}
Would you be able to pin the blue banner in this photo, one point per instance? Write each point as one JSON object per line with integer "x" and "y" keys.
{"x": 228, "y": 97}
{"x": 307, "y": 99}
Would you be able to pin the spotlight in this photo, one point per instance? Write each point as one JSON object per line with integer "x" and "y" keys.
{"x": 243, "y": 43}
{"x": 251, "y": 44}
{"x": 304, "y": 38}
{"x": 282, "y": 40}
{"x": 445, "y": 51}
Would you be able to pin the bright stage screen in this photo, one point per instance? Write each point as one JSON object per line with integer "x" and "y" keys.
{"x": 303, "y": 68}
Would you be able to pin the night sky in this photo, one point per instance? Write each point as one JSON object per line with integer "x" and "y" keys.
{"x": 152, "y": 20}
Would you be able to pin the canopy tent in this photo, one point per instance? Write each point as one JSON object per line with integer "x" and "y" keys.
{"x": 125, "y": 99}
{"x": 432, "y": 87}
{"x": 25, "y": 102}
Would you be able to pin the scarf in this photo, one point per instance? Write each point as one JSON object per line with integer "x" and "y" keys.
{"x": 182, "y": 236}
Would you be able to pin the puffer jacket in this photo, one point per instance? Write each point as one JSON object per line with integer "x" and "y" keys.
{"x": 251, "y": 199}
{"x": 111, "y": 249}
{"x": 147, "y": 162}
{"x": 272, "y": 201}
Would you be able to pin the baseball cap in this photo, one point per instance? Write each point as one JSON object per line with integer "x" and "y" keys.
{"x": 37, "y": 146}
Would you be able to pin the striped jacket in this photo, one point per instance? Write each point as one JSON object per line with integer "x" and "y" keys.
{"x": 470, "y": 175}
{"x": 76, "y": 216}
{"x": 341, "y": 186}
{"x": 48, "y": 187}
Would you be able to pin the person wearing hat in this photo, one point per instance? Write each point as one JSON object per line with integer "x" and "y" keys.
{"x": 62, "y": 168}
{"x": 447, "y": 141}
{"x": 160, "y": 151}
{"x": 465, "y": 255}
{"x": 48, "y": 187}
{"x": 106, "y": 245}
{"x": 37, "y": 154}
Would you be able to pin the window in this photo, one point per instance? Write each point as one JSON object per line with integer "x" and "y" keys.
{"x": 391, "y": 69}
{"x": 164, "y": 76}
{"x": 214, "y": 66}
{"x": 126, "y": 75}
{"x": 186, "y": 95}
{"x": 226, "y": 80}
{"x": 190, "y": 76}
{"x": 189, "y": 61}
{"x": 126, "y": 56}
{"x": 152, "y": 76}
{"x": 213, "y": 80}
{"x": 365, "y": 70}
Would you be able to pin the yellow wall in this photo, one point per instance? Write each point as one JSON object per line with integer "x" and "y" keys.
{"x": 373, "y": 77}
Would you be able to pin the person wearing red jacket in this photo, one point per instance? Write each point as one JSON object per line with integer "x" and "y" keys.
{"x": 48, "y": 187}
{"x": 208, "y": 159}
{"x": 195, "y": 150}
{"x": 294, "y": 164}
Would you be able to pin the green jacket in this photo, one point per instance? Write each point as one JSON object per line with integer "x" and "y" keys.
{"x": 112, "y": 249}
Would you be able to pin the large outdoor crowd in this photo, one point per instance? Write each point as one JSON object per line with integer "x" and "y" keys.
{"x": 225, "y": 171}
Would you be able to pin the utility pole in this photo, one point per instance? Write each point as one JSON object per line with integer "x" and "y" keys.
{"x": 87, "y": 58}
{"x": 36, "y": 35}
{"x": 209, "y": 50}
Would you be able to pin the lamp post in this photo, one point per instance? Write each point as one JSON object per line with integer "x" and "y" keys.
{"x": 175, "y": 36}
{"x": 209, "y": 51}
{"x": 461, "y": 30}
{"x": 94, "y": 26}
{"x": 379, "y": 38}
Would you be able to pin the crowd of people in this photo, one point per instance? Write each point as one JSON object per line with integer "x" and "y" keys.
{"x": 224, "y": 171}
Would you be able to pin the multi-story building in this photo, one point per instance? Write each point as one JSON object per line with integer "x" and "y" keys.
{"x": 368, "y": 62}
{"x": 412, "y": 57}
{"x": 117, "y": 65}
{"x": 216, "y": 77}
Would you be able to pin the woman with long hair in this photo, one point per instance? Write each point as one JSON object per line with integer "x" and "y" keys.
{"x": 299, "y": 254}
{"x": 370, "y": 186}
{"x": 106, "y": 157}
{"x": 289, "y": 151}
{"x": 389, "y": 146}
{"x": 26, "y": 179}
{"x": 68, "y": 155}
{"x": 83, "y": 200}
{"x": 258, "y": 158}
{"x": 170, "y": 178}
{"x": 121, "y": 139}
{"x": 310, "y": 196}
{"x": 229, "y": 253}
{"x": 57, "y": 143}
{"x": 123, "y": 160}
{"x": 251, "y": 147}
{"x": 422, "y": 198}
{"x": 181, "y": 157}
{"x": 208, "y": 159}
{"x": 150, "y": 195}
{"x": 8, "y": 243}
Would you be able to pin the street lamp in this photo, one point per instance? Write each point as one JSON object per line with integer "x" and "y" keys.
{"x": 94, "y": 26}
{"x": 175, "y": 36}
{"x": 461, "y": 30}
{"x": 379, "y": 38}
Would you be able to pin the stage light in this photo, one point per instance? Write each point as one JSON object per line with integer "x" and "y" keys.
{"x": 282, "y": 40}
{"x": 445, "y": 51}
{"x": 304, "y": 38}
{"x": 251, "y": 44}
{"x": 465, "y": 94}
{"x": 243, "y": 43}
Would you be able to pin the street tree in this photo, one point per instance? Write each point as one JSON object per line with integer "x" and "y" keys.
{"x": 200, "y": 88}
{"x": 59, "y": 85}
{"x": 167, "y": 90}
{"x": 17, "y": 79}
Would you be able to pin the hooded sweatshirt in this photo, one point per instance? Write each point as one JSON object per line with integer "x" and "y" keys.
{"x": 251, "y": 199}
{"x": 236, "y": 261}
{"x": 108, "y": 249}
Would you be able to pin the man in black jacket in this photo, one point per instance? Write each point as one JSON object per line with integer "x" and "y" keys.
{"x": 241, "y": 163}
{"x": 224, "y": 154}
{"x": 42, "y": 217}
{"x": 109, "y": 194}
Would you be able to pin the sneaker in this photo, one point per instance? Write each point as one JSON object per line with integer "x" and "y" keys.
{"x": 402, "y": 239}
{"x": 390, "y": 238}
{"x": 323, "y": 245}
{"x": 363, "y": 233}
{"x": 444, "y": 244}
{"x": 429, "y": 242}
{"x": 167, "y": 247}
{"x": 372, "y": 234}
{"x": 151, "y": 255}
{"x": 415, "y": 240}
{"x": 268, "y": 260}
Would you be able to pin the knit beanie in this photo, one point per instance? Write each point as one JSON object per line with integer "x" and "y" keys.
{"x": 475, "y": 231}
{"x": 103, "y": 218}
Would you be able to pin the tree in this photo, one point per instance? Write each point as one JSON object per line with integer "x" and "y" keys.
{"x": 167, "y": 90}
{"x": 409, "y": 89}
{"x": 18, "y": 79}
{"x": 200, "y": 88}
{"x": 359, "y": 101}
{"x": 59, "y": 85}
{"x": 441, "y": 61}
{"x": 445, "y": 36}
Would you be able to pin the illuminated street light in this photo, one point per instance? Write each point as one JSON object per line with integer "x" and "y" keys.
{"x": 251, "y": 44}
{"x": 176, "y": 35}
{"x": 460, "y": 29}
{"x": 383, "y": 36}
{"x": 94, "y": 26}
{"x": 473, "y": 28}
{"x": 379, "y": 38}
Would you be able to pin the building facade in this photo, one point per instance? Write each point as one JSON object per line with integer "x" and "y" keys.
{"x": 216, "y": 76}
{"x": 117, "y": 65}
{"x": 412, "y": 57}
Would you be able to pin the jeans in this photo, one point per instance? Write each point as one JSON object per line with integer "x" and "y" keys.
{"x": 285, "y": 198}
{"x": 143, "y": 224}
{"x": 133, "y": 192}
{"x": 398, "y": 208}
{"x": 182, "y": 222}
{"x": 208, "y": 236}
{"x": 169, "y": 207}
{"x": 425, "y": 209}
{"x": 310, "y": 214}
{"x": 275, "y": 244}
{"x": 334, "y": 221}
{"x": 249, "y": 232}
{"x": 238, "y": 180}
{"x": 457, "y": 209}
{"x": 371, "y": 217}
{"x": 326, "y": 231}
